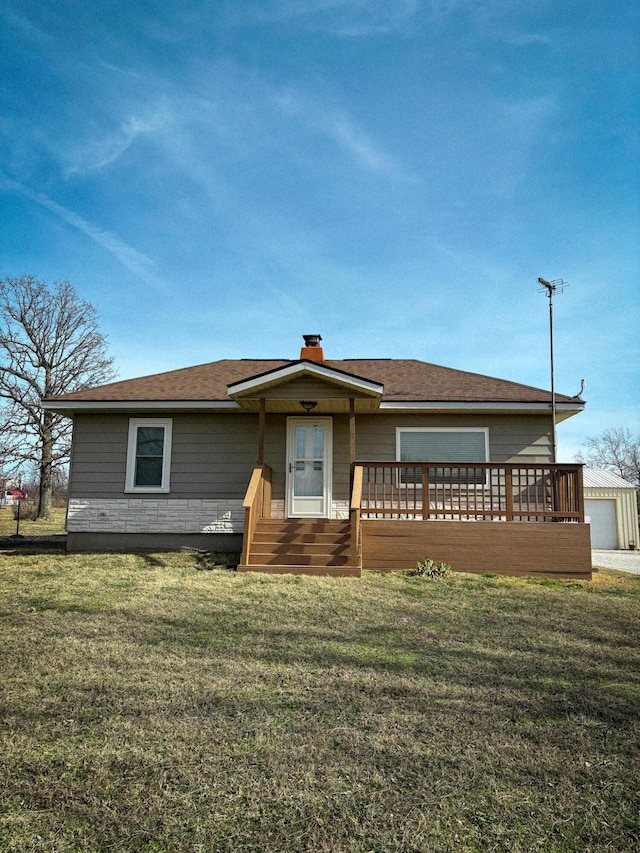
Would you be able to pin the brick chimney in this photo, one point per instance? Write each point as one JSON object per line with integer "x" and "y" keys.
{"x": 312, "y": 350}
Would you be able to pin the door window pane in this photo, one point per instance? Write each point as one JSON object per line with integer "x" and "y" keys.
{"x": 308, "y": 464}
{"x": 318, "y": 442}
{"x": 301, "y": 442}
{"x": 307, "y": 480}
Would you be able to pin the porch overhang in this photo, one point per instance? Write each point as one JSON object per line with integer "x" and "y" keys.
{"x": 329, "y": 389}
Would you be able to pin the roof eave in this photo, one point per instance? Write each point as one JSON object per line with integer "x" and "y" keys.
{"x": 69, "y": 407}
{"x": 563, "y": 410}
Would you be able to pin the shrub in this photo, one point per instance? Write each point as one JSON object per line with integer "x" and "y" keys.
{"x": 428, "y": 568}
{"x": 27, "y": 511}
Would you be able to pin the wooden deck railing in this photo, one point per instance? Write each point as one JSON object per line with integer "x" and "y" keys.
{"x": 472, "y": 491}
{"x": 257, "y": 504}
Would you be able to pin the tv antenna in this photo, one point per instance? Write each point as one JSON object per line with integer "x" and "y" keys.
{"x": 550, "y": 288}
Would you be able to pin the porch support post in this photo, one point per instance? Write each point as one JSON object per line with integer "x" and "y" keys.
{"x": 352, "y": 436}
{"x": 261, "y": 430}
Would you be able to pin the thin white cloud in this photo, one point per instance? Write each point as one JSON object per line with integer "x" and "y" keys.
{"x": 338, "y": 126}
{"x": 236, "y": 113}
{"x": 339, "y": 17}
{"x": 135, "y": 261}
{"x": 26, "y": 28}
{"x": 526, "y": 119}
{"x": 334, "y": 123}
{"x": 528, "y": 38}
{"x": 98, "y": 153}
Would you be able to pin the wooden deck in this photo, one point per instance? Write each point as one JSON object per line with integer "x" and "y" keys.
{"x": 516, "y": 549}
{"x": 508, "y": 519}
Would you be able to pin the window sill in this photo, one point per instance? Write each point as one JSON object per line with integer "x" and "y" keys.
{"x": 146, "y": 491}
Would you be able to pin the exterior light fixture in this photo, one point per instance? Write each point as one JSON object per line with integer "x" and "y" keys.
{"x": 308, "y": 405}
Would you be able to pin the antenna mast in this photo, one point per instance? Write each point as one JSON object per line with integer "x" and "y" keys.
{"x": 550, "y": 288}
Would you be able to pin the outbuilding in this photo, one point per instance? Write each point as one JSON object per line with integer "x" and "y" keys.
{"x": 611, "y": 508}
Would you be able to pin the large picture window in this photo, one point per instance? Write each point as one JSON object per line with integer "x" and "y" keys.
{"x": 434, "y": 444}
{"x": 149, "y": 455}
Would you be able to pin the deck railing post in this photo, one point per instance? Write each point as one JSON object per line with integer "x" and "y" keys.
{"x": 580, "y": 494}
{"x": 355, "y": 515}
{"x": 266, "y": 491}
{"x": 425, "y": 492}
{"x": 508, "y": 489}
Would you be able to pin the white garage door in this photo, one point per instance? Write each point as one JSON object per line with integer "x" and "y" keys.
{"x": 602, "y": 517}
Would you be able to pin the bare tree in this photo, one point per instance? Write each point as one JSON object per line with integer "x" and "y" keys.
{"x": 50, "y": 344}
{"x": 616, "y": 450}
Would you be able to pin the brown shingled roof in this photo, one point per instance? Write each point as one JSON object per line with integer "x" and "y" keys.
{"x": 403, "y": 380}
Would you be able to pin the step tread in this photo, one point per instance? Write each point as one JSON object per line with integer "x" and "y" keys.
{"x": 301, "y": 538}
{"x": 299, "y": 559}
{"x": 298, "y": 553}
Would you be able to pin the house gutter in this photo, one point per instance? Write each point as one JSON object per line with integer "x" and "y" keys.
{"x": 439, "y": 405}
{"x": 70, "y": 406}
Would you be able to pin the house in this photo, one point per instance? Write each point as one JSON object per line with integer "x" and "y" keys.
{"x": 611, "y": 508}
{"x": 7, "y": 486}
{"x": 327, "y": 466}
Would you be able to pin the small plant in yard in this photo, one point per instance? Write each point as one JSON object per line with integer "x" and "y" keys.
{"x": 27, "y": 511}
{"x": 428, "y": 568}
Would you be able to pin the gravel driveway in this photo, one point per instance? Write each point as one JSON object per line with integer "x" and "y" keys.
{"x": 624, "y": 561}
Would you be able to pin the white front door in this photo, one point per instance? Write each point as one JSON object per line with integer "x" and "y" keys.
{"x": 309, "y": 467}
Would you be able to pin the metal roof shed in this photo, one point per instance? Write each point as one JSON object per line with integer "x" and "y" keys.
{"x": 611, "y": 509}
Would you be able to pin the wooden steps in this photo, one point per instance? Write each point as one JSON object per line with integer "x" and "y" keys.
{"x": 315, "y": 546}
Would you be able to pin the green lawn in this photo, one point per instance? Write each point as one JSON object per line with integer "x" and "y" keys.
{"x": 154, "y": 703}
{"x": 28, "y": 527}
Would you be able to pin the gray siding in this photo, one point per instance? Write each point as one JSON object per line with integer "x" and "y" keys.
{"x": 511, "y": 438}
{"x": 213, "y": 455}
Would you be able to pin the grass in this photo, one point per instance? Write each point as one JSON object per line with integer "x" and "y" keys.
{"x": 154, "y": 703}
{"x": 29, "y": 527}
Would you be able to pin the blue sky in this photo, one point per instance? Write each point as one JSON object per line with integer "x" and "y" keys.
{"x": 219, "y": 177}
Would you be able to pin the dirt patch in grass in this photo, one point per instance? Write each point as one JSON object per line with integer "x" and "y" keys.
{"x": 150, "y": 706}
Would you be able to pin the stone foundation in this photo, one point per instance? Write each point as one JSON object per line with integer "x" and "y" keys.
{"x": 153, "y": 515}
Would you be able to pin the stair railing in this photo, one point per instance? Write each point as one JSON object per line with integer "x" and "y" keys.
{"x": 354, "y": 516}
{"x": 256, "y": 505}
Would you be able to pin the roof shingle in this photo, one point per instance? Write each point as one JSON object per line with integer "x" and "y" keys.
{"x": 404, "y": 380}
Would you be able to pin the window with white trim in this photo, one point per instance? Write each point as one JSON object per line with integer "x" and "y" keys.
{"x": 149, "y": 455}
{"x": 437, "y": 444}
